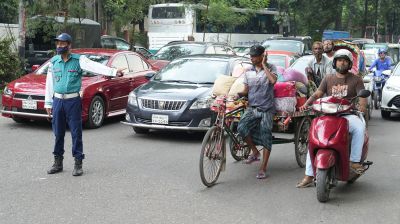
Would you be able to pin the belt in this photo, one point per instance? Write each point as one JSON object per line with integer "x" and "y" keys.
{"x": 66, "y": 95}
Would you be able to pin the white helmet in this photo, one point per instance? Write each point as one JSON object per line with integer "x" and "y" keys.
{"x": 343, "y": 53}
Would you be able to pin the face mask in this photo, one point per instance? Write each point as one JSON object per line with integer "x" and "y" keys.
{"x": 61, "y": 50}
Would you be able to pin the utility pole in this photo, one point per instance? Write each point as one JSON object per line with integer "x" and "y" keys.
{"x": 22, "y": 29}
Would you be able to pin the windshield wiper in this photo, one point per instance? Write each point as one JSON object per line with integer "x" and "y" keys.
{"x": 205, "y": 83}
{"x": 178, "y": 81}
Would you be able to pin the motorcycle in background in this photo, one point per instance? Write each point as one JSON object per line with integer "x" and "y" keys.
{"x": 379, "y": 79}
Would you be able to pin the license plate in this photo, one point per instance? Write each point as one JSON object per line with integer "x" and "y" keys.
{"x": 29, "y": 104}
{"x": 159, "y": 119}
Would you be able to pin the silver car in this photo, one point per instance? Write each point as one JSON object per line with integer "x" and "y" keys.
{"x": 391, "y": 94}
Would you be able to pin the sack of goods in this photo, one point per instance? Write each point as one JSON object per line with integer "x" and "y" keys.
{"x": 285, "y": 96}
{"x": 222, "y": 85}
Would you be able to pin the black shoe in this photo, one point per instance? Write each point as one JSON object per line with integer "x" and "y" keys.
{"x": 57, "y": 166}
{"x": 77, "y": 168}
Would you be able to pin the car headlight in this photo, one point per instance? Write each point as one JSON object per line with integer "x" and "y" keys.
{"x": 132, "y": 99}
{"x": 392, "y": 88}
{"x": 7, "y": 91}
{"x": 202, "y": 103}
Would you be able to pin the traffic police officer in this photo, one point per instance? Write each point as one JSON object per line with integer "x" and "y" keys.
{"x": 63, "y": 102}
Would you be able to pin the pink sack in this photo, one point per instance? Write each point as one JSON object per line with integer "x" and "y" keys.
{"x": 293, "y": 75}
{"x": 285, "y": 89}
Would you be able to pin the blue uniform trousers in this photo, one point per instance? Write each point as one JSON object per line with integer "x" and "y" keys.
{"x": 68, "y": 111}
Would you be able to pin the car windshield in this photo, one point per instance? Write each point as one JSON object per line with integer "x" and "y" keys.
{"x": 396, "y": 72}
{"x": 284, "y": 45}
{"x": 94, "y": 57}
{"x": 374, "y": 46}
{"x": 171, "y": 52}
{"x": 277, "y": 60}
{"x": 192, "y": 71}
{"x": 241, "y": 49}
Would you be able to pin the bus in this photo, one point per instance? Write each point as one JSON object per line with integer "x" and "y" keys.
{"x": 179, "y": 21}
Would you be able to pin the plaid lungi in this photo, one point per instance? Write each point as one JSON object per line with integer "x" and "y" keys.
{"x": 258, "y": 124}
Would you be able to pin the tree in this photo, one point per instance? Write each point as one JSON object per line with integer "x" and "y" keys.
{"x": 8, "y": 11}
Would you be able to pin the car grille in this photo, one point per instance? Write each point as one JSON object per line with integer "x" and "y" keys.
{"x": 170, "y": 123}
{"x": 26, "y": 96}
{"x": 395, "y": 101}
{"x": 162, "y": 104}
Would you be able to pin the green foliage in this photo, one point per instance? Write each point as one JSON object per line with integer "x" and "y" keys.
{"x": 8, "y": 11}
{"x": 10, "y": 64}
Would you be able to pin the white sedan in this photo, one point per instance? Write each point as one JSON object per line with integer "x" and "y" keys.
{"x": 391, "y": 94}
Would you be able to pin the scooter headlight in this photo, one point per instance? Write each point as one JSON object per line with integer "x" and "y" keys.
{"x": 377, "y": 79}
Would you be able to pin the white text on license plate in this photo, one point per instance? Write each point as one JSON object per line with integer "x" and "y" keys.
{"x": 159, "y": 119}
{"x": 29, "y": 104}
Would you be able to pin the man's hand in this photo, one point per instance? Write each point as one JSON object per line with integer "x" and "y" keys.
{"x": 304, "y": 107}
{"x": 48, "y": 111}
{"x": 119, "y": 72}
{"x": 309, "y": 70}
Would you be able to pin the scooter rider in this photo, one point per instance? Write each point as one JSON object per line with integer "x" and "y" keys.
{"x": 383, "y": 62}
{"x": 342, "y": 84}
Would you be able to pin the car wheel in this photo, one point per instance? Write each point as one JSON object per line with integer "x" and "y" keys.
{"x": 141, "y": 130}
{"x": 96, "y": 113}
{"x": 385, "y": 114}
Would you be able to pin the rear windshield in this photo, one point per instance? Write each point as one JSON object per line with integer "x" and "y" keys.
{"x": 168, "y": 13}
{"x": 172, "y": 52}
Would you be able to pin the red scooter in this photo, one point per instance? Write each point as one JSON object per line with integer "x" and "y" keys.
{"x": 329, "y": 144}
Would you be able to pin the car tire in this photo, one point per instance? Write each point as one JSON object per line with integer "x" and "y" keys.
{"x": 141, "y": 130}
{"x": 96, "y": 113}
{"x": 385, "y": 114}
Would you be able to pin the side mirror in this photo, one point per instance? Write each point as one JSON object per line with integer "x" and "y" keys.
{"x": 308, "y": 52}
{"x": 364, "y": 93}
{"x": 149, "y": 75}
{"x": 35, "y": 67}
{"x": 387, "y": 72}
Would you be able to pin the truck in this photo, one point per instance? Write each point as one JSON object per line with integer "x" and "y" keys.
{"x": 335, "y": 35}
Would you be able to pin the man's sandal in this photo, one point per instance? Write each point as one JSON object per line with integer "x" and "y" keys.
{"x": 251, "y": 159}
{"x": 305, "y": 183}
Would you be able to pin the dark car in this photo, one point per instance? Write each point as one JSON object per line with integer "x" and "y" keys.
{"x": 179, "y": 96}
{"x": 112, "y": 42}
{"x": 299, "y": 45}
{"x": 23, "y": 98}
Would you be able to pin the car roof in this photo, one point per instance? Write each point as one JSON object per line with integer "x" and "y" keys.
{"x": 214, "y": 56}
{"x": 195, "y": 42}
{"x": 291, "y": 38}
{"x": 102, "y": 51}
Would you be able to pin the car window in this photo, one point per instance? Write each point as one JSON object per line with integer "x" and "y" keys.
{"x": 193, "y": 71}
{"x": 220, "y": 50}
{"x": 121, "y": 45}
{"x": 107, "y": 43}
{"x": 210, "y": 50}
{"x": 143, "y": 52}
{"x": 135, "y": 63}
{"x": 171, "y": 52}
{"x": 277, "y": 60}
{"x": 284, "y": 45}
{"x": 120, "y": 62}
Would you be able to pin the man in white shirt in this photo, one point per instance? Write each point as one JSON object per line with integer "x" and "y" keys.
{"x": 320, "y": 65}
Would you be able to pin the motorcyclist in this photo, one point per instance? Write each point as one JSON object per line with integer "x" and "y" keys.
{"x": 383, "y": 62}
{"x": 342, "y": 84}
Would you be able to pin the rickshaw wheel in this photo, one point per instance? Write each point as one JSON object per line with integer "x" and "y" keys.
{"x": 241, "y": 152}
{"x": 212, "y": 156}
{"x": 301, "y": 141}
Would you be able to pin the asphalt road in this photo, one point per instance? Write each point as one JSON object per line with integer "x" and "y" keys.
{"x": 154, "y": 178}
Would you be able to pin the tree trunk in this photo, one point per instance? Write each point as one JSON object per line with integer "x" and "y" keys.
{"x": 365, "y": 20}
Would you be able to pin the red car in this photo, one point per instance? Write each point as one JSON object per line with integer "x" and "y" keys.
{"x": 23, "y": 98}
{"x": 282, "y": 58}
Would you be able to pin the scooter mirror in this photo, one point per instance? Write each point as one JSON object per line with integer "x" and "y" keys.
{"x": 364, "y": 93}
{"x": 386, "y": 72}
